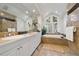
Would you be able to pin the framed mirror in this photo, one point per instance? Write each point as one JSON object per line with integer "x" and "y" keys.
{"x": 7, "y": 22}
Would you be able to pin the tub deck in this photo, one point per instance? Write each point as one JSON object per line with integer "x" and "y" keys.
{"x": 54, "y": 39}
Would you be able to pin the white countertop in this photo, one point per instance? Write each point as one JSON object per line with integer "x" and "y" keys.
{"x": 10, "y": 39}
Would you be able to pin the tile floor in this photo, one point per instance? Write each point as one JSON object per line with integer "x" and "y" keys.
{"x": 52, "y": 50}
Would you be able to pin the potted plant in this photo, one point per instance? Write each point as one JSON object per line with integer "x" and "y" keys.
{"x": 44, "y": 30}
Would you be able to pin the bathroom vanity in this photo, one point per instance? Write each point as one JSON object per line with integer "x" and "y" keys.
{"x": 20, "y": 45}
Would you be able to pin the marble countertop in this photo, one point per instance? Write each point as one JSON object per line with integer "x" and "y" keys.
{"x": 6, "y": 40}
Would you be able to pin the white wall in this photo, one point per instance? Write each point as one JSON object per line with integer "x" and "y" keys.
{"x": 62, "y": 24}
{"x": 20, "y": 24}
{"x": 59, "y": 26}
{"x": 65, "y": 22}
{"x": 40, "y": 23}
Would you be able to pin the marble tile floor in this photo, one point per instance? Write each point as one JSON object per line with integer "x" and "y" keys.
{"x": 53, "y": 50}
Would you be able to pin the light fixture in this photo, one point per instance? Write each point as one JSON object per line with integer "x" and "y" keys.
{"x": 56, "y": 11}
{"x": 27, "y": 12}
{"x": 34, "y": 10}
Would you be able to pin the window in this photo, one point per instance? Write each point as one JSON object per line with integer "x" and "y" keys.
{"x": 54, "y": 19}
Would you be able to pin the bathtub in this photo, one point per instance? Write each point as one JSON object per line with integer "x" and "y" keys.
{"x": 53, "y": 36}
{"x": 54, "y": 39}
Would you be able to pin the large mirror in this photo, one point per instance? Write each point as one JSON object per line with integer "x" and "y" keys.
{"x": 7, "y": 22}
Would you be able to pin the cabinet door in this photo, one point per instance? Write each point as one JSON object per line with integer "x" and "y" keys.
{"x": 37, "y": 40}
{"x": 25, "y": 48}
{"x": 34, "y": 42}
{"x": 13, "y": 52}
{"x": 32, "y": 45}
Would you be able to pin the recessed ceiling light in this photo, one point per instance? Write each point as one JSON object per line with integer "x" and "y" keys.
{"x": 34, "y": 10}
{"x": 56, "y": 11}
{"x": 27, "y": 12}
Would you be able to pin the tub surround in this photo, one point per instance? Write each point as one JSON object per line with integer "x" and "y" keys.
{"x": 53, "y": 39}
{"x": 53, "y": 36}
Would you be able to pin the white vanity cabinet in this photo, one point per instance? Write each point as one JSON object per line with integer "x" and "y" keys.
{"x": 12, "y": 52}
{"x": 21, "y": 50}
{"x": 36, "y": 41}
{"x": 23, "y": 47}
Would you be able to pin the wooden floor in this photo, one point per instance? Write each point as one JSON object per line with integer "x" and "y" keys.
{"x": 53, "y": 50}
{"x": 53, "y": 47}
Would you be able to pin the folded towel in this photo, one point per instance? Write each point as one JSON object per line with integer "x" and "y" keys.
{"x": 69, "y": 33}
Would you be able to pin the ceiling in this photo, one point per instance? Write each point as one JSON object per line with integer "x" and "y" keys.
{"x": 70, "y": 5}
{"x": 76, "y": 12}
{"x": 41, "y": 9}
{"x": 46, "y": 8}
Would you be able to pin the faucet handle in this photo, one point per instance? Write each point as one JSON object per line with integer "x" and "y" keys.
{"x": 9, "y": 34}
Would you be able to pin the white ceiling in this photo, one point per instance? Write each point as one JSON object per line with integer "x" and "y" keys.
{"x": 42, "y": 9}
{"x": 46, "y": 8}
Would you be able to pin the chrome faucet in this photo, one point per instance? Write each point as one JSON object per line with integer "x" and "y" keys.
{"x": 8, "y": 34}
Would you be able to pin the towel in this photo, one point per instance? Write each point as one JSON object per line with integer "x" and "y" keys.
{"x": 69, "y": 33}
